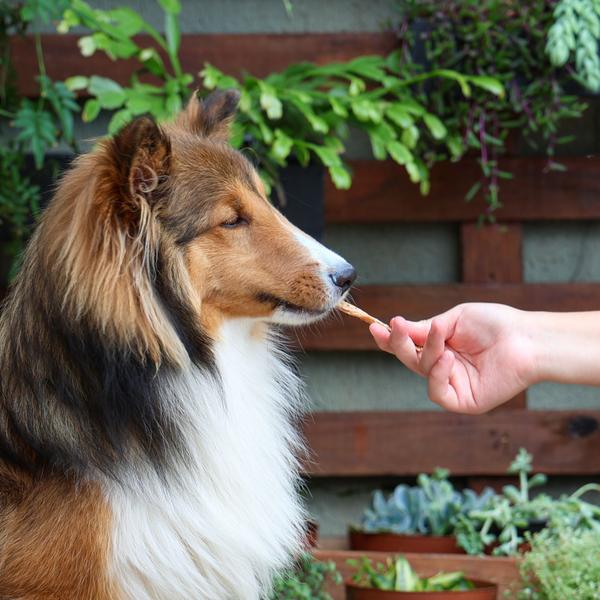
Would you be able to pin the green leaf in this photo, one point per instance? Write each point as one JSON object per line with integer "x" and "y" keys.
{"x": 410, "y": 136}
{"x": 317, "y": 123}
{"x": 172, "y": 34}
{"x": 378, "y": 146}
{"x": 108, "y": 92}
{"x": 78, "y": 82}
{"x": 411, "y": 106}
{"x": 413, "y": 172}
{"x": 43, "y": 10}
{"x": 302, "y": 154}
{"x": 139, "y": 103}
{"x": 128, "y": 21}
{"x": 488, "y": 83}
{"x": 399, "y": 115}
{"x": 269, "y": 102}
{"x": 406, "y": 579}
{"x": 366, "y": 110}
{"x": 62, "y": 100}
{"x": 399, "y": 152}
{"x": 555, "y": 166}
{"x": 328, "y": 157}
{"x": 91, "y": 109}
{"x": 455, "y": 145}
{"x": 338, "y": 108}
{"x": 282, "y": 146}
{"x": 172, "y": 7}
{"x": 153, "y": 62}
{"x": 87, "y": 45}
{"x": 341, "y": 177}
{"x": 173, "y": 104}
{"x": 436, "y": 127}
{"x": 357, "y": 86}
{"x": 119, "y": 120}
{"x": 473, "y": 191}
{"x": 36, "y": 128}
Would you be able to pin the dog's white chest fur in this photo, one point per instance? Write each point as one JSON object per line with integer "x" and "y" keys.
{"x": 233, "y": 518}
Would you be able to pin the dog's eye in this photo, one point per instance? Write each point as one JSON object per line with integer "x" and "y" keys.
{"x": 238, "y": 221}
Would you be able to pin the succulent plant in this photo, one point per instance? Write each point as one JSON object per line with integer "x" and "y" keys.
{"x": 510, "y": 519}
{"x": 307, "y": 579}
{"x": 432, "y": 507}
{"x": 397, "y": 575}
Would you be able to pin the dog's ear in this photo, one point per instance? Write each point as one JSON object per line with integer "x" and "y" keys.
{"x": 140, "y": 156}
{"x": 210, "y": 116}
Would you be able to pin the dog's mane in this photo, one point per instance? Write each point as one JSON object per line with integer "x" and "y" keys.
{"x": 100, "y": 315}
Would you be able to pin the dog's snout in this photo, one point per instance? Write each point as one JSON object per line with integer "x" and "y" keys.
{"x": 344, "y": 277}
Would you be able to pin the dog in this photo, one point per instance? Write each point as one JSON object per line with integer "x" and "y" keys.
{"x": 147, "y": 439}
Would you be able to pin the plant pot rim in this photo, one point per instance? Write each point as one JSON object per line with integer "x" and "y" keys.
{"x": 479, "y": 586}
{"x": 401, "y": 543}
{"x": 401, "y": 535}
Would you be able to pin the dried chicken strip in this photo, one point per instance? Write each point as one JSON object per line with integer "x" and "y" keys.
{"x": 358, "y": 313}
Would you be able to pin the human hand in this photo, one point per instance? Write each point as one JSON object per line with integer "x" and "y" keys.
{"x": 475, "y": 356}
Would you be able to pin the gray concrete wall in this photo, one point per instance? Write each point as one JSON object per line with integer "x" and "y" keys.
{"x": 391, "y": 253}
{"x": 267, "y": 16}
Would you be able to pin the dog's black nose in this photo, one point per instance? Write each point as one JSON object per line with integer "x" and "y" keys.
{"x": 344, "y": 277}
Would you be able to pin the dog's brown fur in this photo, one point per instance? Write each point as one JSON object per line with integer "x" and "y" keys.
{"x": 54, "y": 541}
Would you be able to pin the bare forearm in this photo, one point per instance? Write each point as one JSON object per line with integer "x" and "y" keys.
{"x": 566, "y": 346}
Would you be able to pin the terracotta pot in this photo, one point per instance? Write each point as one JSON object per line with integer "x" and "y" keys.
{"x": 394, "y": 542}
{"x": 483, "y": 591}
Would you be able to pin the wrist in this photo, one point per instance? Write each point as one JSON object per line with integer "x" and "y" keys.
{"x": 537, "y": 328}
{"x": 565, "y": 347}
{"x": 532, "y": 344}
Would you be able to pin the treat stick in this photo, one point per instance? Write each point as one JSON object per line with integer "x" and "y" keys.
{"x": 358, "y": 313}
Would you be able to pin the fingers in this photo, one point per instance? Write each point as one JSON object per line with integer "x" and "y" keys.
{"x": 434, "y": 346}
{"x": 439, "y": 388}
{"x": 381, "y": 336}
{"x": 397, "y": 342}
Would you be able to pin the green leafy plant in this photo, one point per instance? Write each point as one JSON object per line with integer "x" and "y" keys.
{"x": 112, "y": 32}
{"x": 432, "y": 507}
{"x": 306, "y": 580}
{"x": 574, "y": 36}
{"x": 28, "y": 126}
{"x": 397, "y": 575}
{"x": 506, "y": 40}
{"x": 561, "y": 564}
{"x": 509, "y": 519}
{"x": 304, "y": 111}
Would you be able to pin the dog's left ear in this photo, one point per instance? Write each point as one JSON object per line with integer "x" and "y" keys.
{"x": 210, "y": 116}
{"x": 140, "y": 156}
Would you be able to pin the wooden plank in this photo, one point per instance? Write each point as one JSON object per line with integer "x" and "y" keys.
{"x": 259, "y": 54}
{"x": 423, "y": 301}
{"x": 401, "y": 443}
{"x": 501, "y": 570}
{"x": 382, "y": 193}
{"x": 493, "y": 254}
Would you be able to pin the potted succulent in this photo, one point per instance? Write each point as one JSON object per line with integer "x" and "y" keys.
{"x": 306, "y": 580}
{"x": 506, "y": 524}
{"x": 396, "y": 579}
{"x": 417, "y": 519}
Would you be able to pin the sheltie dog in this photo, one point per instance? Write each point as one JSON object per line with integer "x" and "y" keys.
{"x": 147, "y": 442}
